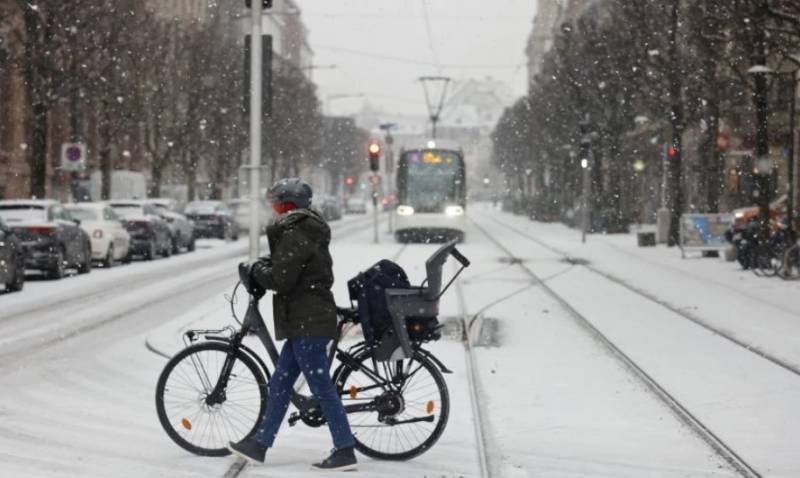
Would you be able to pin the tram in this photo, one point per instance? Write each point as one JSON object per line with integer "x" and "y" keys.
{"x": 431, "y": 193}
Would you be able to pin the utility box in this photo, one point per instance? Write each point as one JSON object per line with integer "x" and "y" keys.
{"x": 662, "y": 225}
{"x": 646, "y": 239}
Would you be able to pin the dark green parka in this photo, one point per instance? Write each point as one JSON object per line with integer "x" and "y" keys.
{"x": 301, "y": 275}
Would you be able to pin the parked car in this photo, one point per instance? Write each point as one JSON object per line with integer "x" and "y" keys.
{"x": 181, "y": 228}
{"x": 12, "y": 259}
{"x": 212, "y": 219}
{"x": 52, "y": 238}
{"x": 150, "y": 235}
{"x": 241, "y": 213}
{"x": 110, "y": 240}
{"x": 355, "y": 205}
{"x": 330, "y": 207}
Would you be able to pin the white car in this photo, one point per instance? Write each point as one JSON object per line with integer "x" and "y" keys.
{"x": 355, "y": 205}
{"x": 110, "y": 240}
{"x": 241, "y": 213}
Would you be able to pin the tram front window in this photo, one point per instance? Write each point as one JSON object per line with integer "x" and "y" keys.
{"x": 433, "y": 180}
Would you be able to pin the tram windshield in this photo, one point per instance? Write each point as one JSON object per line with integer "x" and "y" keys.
{"x": 433, "y": 179}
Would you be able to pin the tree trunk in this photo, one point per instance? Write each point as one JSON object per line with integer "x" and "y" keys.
{"x": 675, "y": 166}
{"x": 38, "y": 156}
{"x": 218, "y": 179}
{"x": 760, "y": 99}
{"x": 104, "y": 138}
{"x": 156, "y": 178}
{"x": 191, "y": 176}
{"x": 712, "y": 161}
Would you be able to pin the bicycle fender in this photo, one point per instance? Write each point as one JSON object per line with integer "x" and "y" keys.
{"x": 435, "y": 360}
{"x": 247, "y": 350}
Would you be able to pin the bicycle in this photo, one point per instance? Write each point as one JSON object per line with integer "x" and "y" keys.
{"x": 789, "y": 267}
{"x": 215, "y": 390}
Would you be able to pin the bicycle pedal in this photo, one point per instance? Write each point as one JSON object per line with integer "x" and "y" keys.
{"x": 293, "y": 419}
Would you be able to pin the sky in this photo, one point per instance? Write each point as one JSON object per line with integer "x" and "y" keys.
{"x": 381, "y": 47}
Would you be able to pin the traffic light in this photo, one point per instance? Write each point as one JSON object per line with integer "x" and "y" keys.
{"x": 374, "y": 151}
{"x": 266, "y": 3}
{"x": 349, "y": 180}
{"x": 672, "y": 152}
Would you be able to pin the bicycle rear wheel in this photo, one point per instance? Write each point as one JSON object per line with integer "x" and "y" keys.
{"x": 412, "y": 405}
{"x": 193, "y": 420}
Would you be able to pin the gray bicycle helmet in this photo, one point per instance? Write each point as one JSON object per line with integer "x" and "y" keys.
{"x": 292, "y": 190}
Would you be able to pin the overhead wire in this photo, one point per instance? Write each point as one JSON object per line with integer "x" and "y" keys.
{"x": 399, "y": 59}
{"x": 430, "y": 36}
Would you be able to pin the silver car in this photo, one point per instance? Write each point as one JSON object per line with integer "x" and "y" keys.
{"x": 181, "y": 228}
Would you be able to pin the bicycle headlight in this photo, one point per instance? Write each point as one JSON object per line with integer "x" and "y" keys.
{"x": 454, "y": 211}
{"x": 405, "y": 210}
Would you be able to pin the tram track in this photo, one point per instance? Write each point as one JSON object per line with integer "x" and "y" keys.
{"x": 679, "y": 409}
{"x": 474, "y": 385}
{"x": 754, "y": 349}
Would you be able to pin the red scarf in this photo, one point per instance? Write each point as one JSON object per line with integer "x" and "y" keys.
{"x": 283, "y": 207}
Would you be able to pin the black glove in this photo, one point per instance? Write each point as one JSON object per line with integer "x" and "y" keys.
{"x": 261, "y": 273}
{"x": 266, "y": 260}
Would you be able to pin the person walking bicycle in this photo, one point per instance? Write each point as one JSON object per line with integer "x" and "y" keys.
{"x": 300, "y": 272}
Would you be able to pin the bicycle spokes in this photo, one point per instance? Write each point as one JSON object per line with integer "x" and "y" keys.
{"x": 209, "y": 397}
{"x": 396, "y": 409}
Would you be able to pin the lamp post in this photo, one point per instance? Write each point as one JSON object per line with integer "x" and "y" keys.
{"x": 763, "y": 167}
{"x": 585, "y": 153}
{"x": 255, "y": 126}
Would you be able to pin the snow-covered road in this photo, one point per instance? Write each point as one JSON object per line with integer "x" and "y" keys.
{"x": 78, "y": 380}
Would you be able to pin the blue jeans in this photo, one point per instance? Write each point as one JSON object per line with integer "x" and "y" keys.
{"x": 306, "y": 355}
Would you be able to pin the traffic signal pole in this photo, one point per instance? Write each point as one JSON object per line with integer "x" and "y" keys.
{"x": 374, "y": 153}
{"x": 255, "y": 126}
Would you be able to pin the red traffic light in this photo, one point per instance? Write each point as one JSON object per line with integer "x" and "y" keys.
{"x": 349, "y": 180}
{"x": 672, "y": 152}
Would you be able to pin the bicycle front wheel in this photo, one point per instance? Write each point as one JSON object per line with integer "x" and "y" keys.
{"x": 196, "y": 419}
{"x": 409, "y": 405}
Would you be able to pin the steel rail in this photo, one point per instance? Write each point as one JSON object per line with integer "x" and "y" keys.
{"x": 739, "y": 464}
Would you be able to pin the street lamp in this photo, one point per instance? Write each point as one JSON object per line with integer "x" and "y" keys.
{"x": 763, "y": 170}
{"x": 763, "y": 165}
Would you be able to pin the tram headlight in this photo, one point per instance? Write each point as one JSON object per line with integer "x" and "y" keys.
{"x": 454, "y": 211}
{"x": 405, "y": 210}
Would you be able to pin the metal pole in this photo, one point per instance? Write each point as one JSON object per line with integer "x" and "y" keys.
{"x": 790, "y": 172}
{"x": 256, "y": 56}
{"x": 587, "y": 184}
{"x": 375, "y": 210}
{"x": 585, "y": 153}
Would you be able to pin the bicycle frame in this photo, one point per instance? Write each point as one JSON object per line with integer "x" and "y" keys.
{"x": 254, "y": 323}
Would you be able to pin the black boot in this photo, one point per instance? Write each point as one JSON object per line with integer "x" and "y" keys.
{"x": 249, "y": 449}
{"x": 340, "y": 460}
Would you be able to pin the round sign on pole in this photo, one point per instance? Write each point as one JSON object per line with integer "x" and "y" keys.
{"x": 73, "y": 156}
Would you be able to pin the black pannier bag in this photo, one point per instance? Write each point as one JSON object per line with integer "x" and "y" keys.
{"x": 368, "y": 289}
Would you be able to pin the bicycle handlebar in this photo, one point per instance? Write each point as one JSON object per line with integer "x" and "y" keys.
{"x": 457, "y": 255}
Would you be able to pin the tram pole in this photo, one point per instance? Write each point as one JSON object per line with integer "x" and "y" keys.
{"x": 255, "y": 126}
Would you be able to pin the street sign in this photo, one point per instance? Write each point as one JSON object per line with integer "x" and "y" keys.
{"x": 73, "y": 156}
